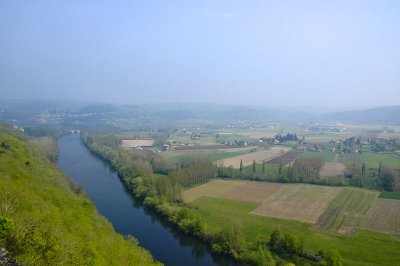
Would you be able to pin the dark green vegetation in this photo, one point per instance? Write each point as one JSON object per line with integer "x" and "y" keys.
{"x": 390, "y": 195}
{"x": 46, "y": 220}
{"x": 303, "y": 170}
{"x": 163, "y": 194}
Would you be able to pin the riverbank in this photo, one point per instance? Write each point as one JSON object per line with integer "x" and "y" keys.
{"x": 44, "y": 220}
{"x": 160, "y": 194}
{"x": 127, "y": 214}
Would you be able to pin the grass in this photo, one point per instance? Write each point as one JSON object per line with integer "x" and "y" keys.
{"x": 359, "y": 249}
{"x": 327, "y": 156}
{"x": 223, "y": 155}
{"x": 214, "y": 188}
{"x": 390, "y": 195}
{"x": 53, "y": 222}
{"x": 213, "y": 155}
{"x": 372, "y": 160}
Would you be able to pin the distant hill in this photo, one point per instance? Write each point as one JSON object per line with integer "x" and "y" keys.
{"x": 388, "y": 115}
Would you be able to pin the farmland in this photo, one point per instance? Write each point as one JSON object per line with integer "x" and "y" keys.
{"x": 390, "y": 209}
{"x": 213, "y": 188}
{"x": 346, "y": 211}
{"x": 359, "y": 249}
{"x": 339, "y": 210}
{"x": 327, "y": 137}
{"x": 258, "y": 156}
{"x": 133, "y": 143}
{"x": 215, "y": 153}
{"x": 333, "y": 168}
{"x": 298, "y": 202}
{"x": 373, "y": 159}
{"x": 327, "y": 156}
{"x": 286, "y": 158}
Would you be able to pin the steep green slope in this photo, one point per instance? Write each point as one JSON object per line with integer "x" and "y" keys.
{"x": 44, "y": 221}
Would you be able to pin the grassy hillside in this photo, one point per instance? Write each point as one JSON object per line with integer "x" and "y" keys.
{"x": 45, "y": 221}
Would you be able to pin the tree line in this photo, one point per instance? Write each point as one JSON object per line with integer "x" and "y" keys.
{"x": 163, "y": 194}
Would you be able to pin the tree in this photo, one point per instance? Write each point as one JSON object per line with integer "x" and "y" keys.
{"x": 307, "y": 169}
{"x": 280, "y": 170}
{"x": 275, "y": 241}
{"x": 289, "y": 244}
{"x": 241, "y": 166}
{"x": 363, "y": 168}
{"x": 387, "y": 177}
{"x": 254, "y": 166}
{"x": 263, "y": 167}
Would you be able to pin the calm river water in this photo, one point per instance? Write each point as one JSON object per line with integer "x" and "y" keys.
{"x": 127, "y": 215}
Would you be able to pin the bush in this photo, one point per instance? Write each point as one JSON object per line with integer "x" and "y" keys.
{"x": 332, "y": 258}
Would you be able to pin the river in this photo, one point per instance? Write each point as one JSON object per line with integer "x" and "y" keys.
{"x": 128, "y": 215}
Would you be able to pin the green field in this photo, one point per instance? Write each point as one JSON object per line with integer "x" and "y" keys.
{"x": 390, "y": 195}
{"x": 372, "y": 160}
{"x": 327, "y": 156}
{"x": 214, "y": 155}
{"x": 359, "y": 249}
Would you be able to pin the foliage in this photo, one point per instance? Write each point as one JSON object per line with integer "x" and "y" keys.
{"x": 388, "y": 177}
{"x": 228, "y": 241}
{"x": 44, "y": 222}
{"x": 46, "y": 131}
{"x": 162, "y": 193}
{"x": 332, "y": 258}
{"x": 307, "y": 168}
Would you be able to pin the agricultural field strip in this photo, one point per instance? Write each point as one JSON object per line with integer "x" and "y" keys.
{"x": 173, "y": 153}
{"x": 333, "y": 169}
{"x": 245, "y": 191}
{"x": 250, "y": 191}
{"x": 383, "y": 216}
{"x": 133, "y": 143}
{"x": 286, "y": 158}
{"x": 346, "y": 211}
{"x": 214, "y": 188}
{"x": 298, "y": 202}
{"x": 335, "y": 209}
{"x": 258, "y": 156}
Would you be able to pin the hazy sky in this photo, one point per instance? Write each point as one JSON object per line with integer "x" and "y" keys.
{"x": 328, "y": 53}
